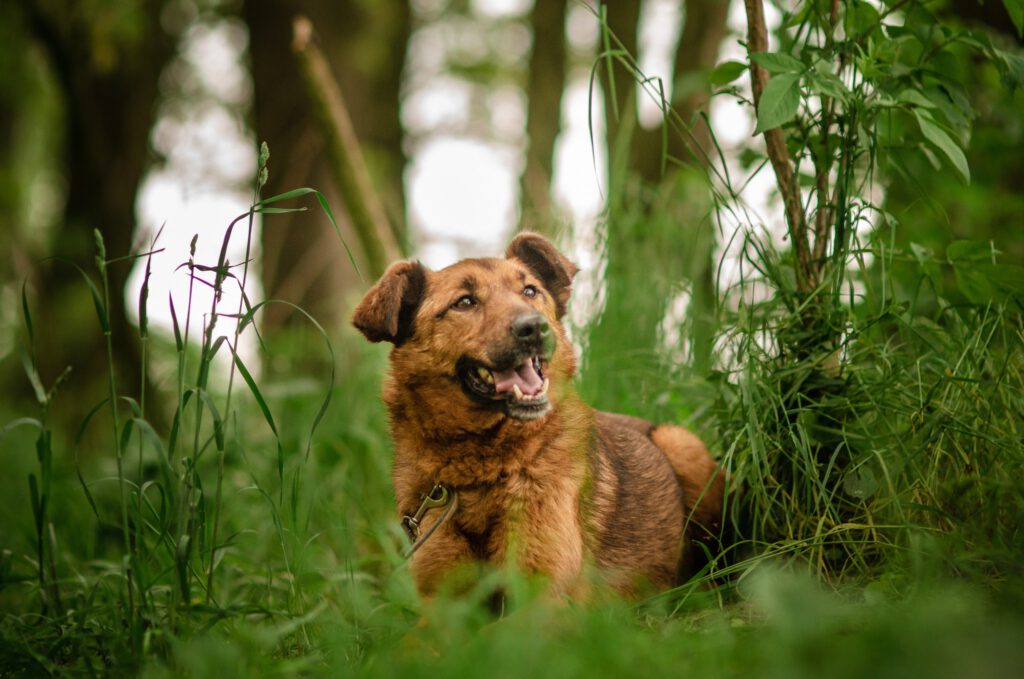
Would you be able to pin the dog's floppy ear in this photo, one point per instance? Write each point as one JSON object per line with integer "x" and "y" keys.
{"x": 387, "y": 311}
{"x": 547, "y": 263}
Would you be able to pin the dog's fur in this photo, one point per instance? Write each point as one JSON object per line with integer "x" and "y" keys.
{"x": 552, "y": 485}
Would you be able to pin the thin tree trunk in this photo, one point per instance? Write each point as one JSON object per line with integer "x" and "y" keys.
{"x": 778, "y": 155}
{"x": 619, "y": 87}
{"x": 110, "y": 108}
{"x": 365, "y": 45}
{"x": 543, "y": 121}
{"x": 683, "y": 251}
{"x": 345, "y": 154}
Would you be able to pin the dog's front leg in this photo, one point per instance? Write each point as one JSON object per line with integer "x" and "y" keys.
{"x": 446, "y": 557}
{"x": 547, "y": 537}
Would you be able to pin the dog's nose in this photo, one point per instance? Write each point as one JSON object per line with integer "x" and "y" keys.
{"x": 529, "y": 328}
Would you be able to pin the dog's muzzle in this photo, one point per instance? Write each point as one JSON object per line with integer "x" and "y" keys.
{"x": 515, "y": 379}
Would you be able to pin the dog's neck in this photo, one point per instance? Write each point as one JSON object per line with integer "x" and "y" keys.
{"x": 486, "y": 447}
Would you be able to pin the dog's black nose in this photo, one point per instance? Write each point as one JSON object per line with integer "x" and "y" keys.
{"x": 529, "y": 328}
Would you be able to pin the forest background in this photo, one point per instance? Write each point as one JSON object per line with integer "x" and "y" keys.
{"x": 800, "y": 225}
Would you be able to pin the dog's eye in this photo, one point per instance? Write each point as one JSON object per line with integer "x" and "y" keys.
{"x": 530, "y": 291}
{"x": 464, "y": 302}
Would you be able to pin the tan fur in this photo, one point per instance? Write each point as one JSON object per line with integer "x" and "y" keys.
{"x": 549, "y": 494}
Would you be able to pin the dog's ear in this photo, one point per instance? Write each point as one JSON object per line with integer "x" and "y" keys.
{"x": 388, "y": 309}
{"x": 547, "y": 263}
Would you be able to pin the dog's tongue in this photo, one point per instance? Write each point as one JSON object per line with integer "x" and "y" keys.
{"x": 524, "y": 375}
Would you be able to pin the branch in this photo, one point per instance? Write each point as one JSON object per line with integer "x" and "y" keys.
{"x": 823, "y": 163}
{"x": 757, "y": 41}
{"x": 362, "y": 202}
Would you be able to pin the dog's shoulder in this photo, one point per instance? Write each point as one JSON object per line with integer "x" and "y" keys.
{"x": 613, "y": 422}
{"x": 625, "y": 445}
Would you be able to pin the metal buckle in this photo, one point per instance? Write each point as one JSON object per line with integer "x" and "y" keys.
{"x": 437, "y": 497}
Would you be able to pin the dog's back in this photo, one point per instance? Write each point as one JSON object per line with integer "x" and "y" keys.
{"x": 650, "y": 484}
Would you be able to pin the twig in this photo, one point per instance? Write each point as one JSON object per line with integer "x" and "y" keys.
{"x": 823, "y": 164}
{"x": 362, "y": 202}
{"x": 757, "y": 41}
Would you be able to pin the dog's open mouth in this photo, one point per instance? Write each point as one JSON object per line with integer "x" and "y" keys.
{"x": 521, "y": 389}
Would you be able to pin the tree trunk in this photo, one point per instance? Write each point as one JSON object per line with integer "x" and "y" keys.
{"x": 681, "y": 249}
{"x": 704, "y": 27}
{"x": 543, "y": 121}
{"x": 365, "y": 44}
{"x": 621, "y": 125}
{"x": 110, "y": 88}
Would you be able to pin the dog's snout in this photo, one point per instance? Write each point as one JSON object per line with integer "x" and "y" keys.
{"x": 529, "y": 328}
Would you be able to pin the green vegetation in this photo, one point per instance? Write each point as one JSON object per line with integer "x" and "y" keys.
{"x": 865, "y": 391}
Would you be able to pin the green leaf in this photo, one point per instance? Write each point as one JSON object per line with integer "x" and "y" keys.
{"x": 726, "y": 72}
{"x": 255, "y": 390}
{"x": 952, "y": 101}
{"x": 928, "y": 265}
{"x": 986, "y": 283}
{"x": 178, "y": 344}
{"x": 776, "y": 62}
{"x": 279, "y": 210}
{"x": 33, "y": 377}
{"x": 1015, "y": 8}
{"x": 1007, "y": 278}
{"x": 961, "y": 252}
{"x": 829, "y": 85}
{"x": 915, "y": 98}
{"x": 861, "y": 483}
{"x": 28, "y": 314}
{"x": 294, "y": 193}
{"x": 305, "y": 191}
{"x": 144, "y": 299}
{"x": 974, "y": 284}
{"x": 861, "y": 17}
{"x": 97, "y": 302}
{"x": 976, "y": 272}
{"x": 1011, "y": 69}
{"x": 21, "y": 422}
{"x": 779, "y": 102}
{"x": 218, "y": 422}
{"x": 937, "y": 136}
{"x": 330, "y": 350}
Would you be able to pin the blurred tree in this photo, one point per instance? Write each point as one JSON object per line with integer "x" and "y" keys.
{"x": 661, "y": 240}
{"x": 701, "y": 35}
{"x": 543, "y": 117}
{"x": 365, "y": 43}
{"x": 106, "y": 60}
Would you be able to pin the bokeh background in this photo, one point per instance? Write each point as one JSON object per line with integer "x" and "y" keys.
{"x": 473, "y": 119}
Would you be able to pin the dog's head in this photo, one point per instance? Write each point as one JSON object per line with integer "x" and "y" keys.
{"x": 482, "y": 334}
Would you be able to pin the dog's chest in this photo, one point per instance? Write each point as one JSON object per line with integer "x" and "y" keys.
{"x": 489, "y": 515}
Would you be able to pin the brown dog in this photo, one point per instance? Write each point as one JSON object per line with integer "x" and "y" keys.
{"x": 482, "y": 403}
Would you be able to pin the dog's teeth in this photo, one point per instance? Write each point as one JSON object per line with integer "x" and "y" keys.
{"x": 517, "y": 392}
{"x": 485, "y": 374}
